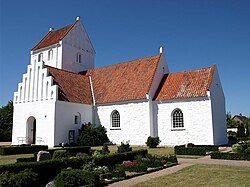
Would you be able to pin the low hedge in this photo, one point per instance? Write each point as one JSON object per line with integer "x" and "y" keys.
{"x": 72, "y": 151}
{"x": 47, "y": 170}
{"x": 230, "y": 156}
{"x": 20, "y": 149}
{"x": 28, "y": 159}
{"x": 195, "y": 149}
{"x": 189, "y": 150}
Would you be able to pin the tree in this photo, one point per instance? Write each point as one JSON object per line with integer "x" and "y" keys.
{"x": 92, "y": 135}
{"x": 6, "y": 121}
{"x": 240, "y": 131}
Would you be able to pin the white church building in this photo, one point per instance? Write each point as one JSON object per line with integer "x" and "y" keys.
{"x": 133, "y": 100}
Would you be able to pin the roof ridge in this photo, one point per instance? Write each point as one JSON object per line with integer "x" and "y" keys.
{"x": 63, "y": 70}
{"x": 192, "y": 70}
{"x": 125, "y": 62}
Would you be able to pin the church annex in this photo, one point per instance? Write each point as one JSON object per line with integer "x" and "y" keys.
{"x": 62, "y": 90}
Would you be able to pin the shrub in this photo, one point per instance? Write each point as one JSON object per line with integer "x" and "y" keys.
{"x": 124, "y": 148}
{"x": 92, "y": 136}
{"x": 230, "y": 156}
{"x": 247, "y": 151}
{"x": 28, "y": 159}
{"x": 24, "y": 178}
{"x": 237, "y": 148}
{"x": 153, "y": 142}
{"x": 72, "y": 150}
{"x": 76, "y": 177}
{"x": 59, "y": 154}
{"x": 189, "y": 150}
{"x": 18, "y": 149}
{"x": 240, "y": 131}
{"x": 105, "y": 149}
{"x": 141, "y": 167}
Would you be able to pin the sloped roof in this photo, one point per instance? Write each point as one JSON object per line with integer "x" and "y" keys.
{"x": 73, "y": 87}
{"x": 187, "y": 84}
{"x": 53, "y": 37}
{"x": 125, "y": 81}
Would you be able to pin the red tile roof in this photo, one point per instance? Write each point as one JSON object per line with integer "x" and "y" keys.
{"x": 53, "y": 37}
{"x": 185, "y": 84}
{"x": 125, "y": 81}
{"x": 73, "y": 87}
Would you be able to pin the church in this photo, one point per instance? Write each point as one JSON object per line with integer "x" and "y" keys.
{"x": 133, "y": 100}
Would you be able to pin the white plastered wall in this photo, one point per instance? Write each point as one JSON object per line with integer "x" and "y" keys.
{"x": 198, "y": 128}
{"x": 218, "y": 110}
{"x": 134, "y": 121}
{"x": 64, "y": 120}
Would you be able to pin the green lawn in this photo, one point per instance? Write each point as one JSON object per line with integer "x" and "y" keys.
{"x": 204, "y": 175}
{"x": 9, "y": 159}
{"x": 153, "y": 151}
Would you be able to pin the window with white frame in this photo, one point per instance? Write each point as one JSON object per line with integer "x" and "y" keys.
{"x": 77, "y": 119}
{"x": 40, "y": 57}
{"x": 79, "y": 58}
{"x": 115, "y": 119}
{"x": 177, "y": 119}
{"x": 50, "y": 54}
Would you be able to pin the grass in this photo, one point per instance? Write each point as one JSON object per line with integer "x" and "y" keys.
{"x": 203, "y": 175}
{"x": 153, "y": 151}
{"x": 9, "y": 159}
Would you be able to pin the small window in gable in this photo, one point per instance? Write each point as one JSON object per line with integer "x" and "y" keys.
{"x": 79, "y": 58}
{"x": 177, "y": 119}
{"x": 50, "y": 54}
{"x": 77, "y": 119}
{"x": 115, "y": 119}
{"x": 40, "y": 57}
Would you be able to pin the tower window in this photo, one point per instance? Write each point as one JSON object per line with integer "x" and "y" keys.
{"x": 50, "y": 54}
{"x": 79, "y": 58}
{"x": 40, "y": 57}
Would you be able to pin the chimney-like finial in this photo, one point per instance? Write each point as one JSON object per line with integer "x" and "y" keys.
{"x": 161, "y": 50}
{"x": 51, "y": 29}
{"x": 77, "y": 18}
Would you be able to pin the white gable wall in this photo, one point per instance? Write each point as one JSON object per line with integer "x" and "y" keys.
{"x": 197, "y": 122}
{"x": 218, "y": 110}
{"x": 65, "y": 116}
{"x": 134, "y": 121}
{"x": 77, "y": 42}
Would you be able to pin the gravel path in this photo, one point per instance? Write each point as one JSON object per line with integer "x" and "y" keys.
{"x": 142, "y": 178}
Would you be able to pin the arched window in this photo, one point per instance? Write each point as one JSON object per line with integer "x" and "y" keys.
{"x": 40, "y": 57}
{"x": 115, "y": 119}
{"x": 79, "y": 58}
{"x": 50, "y": 54}
{"x": 177, "y": 119}
{"x": 77, "y": 119}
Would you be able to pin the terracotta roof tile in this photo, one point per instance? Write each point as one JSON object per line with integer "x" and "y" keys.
{"x": 73, "y": 87}
{"x": 186, "y": 84}
{"x": 124, "y": 81}
{"x": 53, "y": 37}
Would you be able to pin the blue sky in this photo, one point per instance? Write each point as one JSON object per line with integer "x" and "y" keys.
{"x": 194, "y": 34}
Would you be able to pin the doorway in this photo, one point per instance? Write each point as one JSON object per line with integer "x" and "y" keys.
{"x": 31, "y": 130}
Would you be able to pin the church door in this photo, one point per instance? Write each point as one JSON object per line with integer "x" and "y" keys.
{"x": 31, "y": 130}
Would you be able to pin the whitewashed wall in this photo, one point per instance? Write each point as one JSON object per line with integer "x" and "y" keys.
{"x": 134, "y": 117}
{"x": 64, "y": 121}
{"x": 43, "y": 112}
{"x": 77, "y": 41}
{"x": 218, "y": 110}
{"x": 198, "y": 128}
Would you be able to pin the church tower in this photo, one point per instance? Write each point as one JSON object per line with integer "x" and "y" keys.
{"x": 68, "y": 48}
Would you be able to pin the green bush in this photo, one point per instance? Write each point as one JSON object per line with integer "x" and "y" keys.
{"x": 13, "y": 150}
{"x": 105, "y": 149}
{"x": 208, "y": 147}
{"x": 237, "y": 148}
{"x": 240, "y": 131}
{"x": 142, "y": 167}
{"x": 153, "y": 142}
{"x": 189, "y": 150}
{"x": 230, "y": 156}
{"x": 76, "y": 177}
{"x": 91, "y": 135}
{"x": 124, "y": 148}
{"x": 72, "y": 150}
{"x": 59, "y": 154}
{"x": 24, "y": 178}
{"x": 28, "y": 159}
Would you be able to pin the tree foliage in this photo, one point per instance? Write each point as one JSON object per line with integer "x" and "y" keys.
{"x": 6, "y": 121}
{"x": 91, "y": 135}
